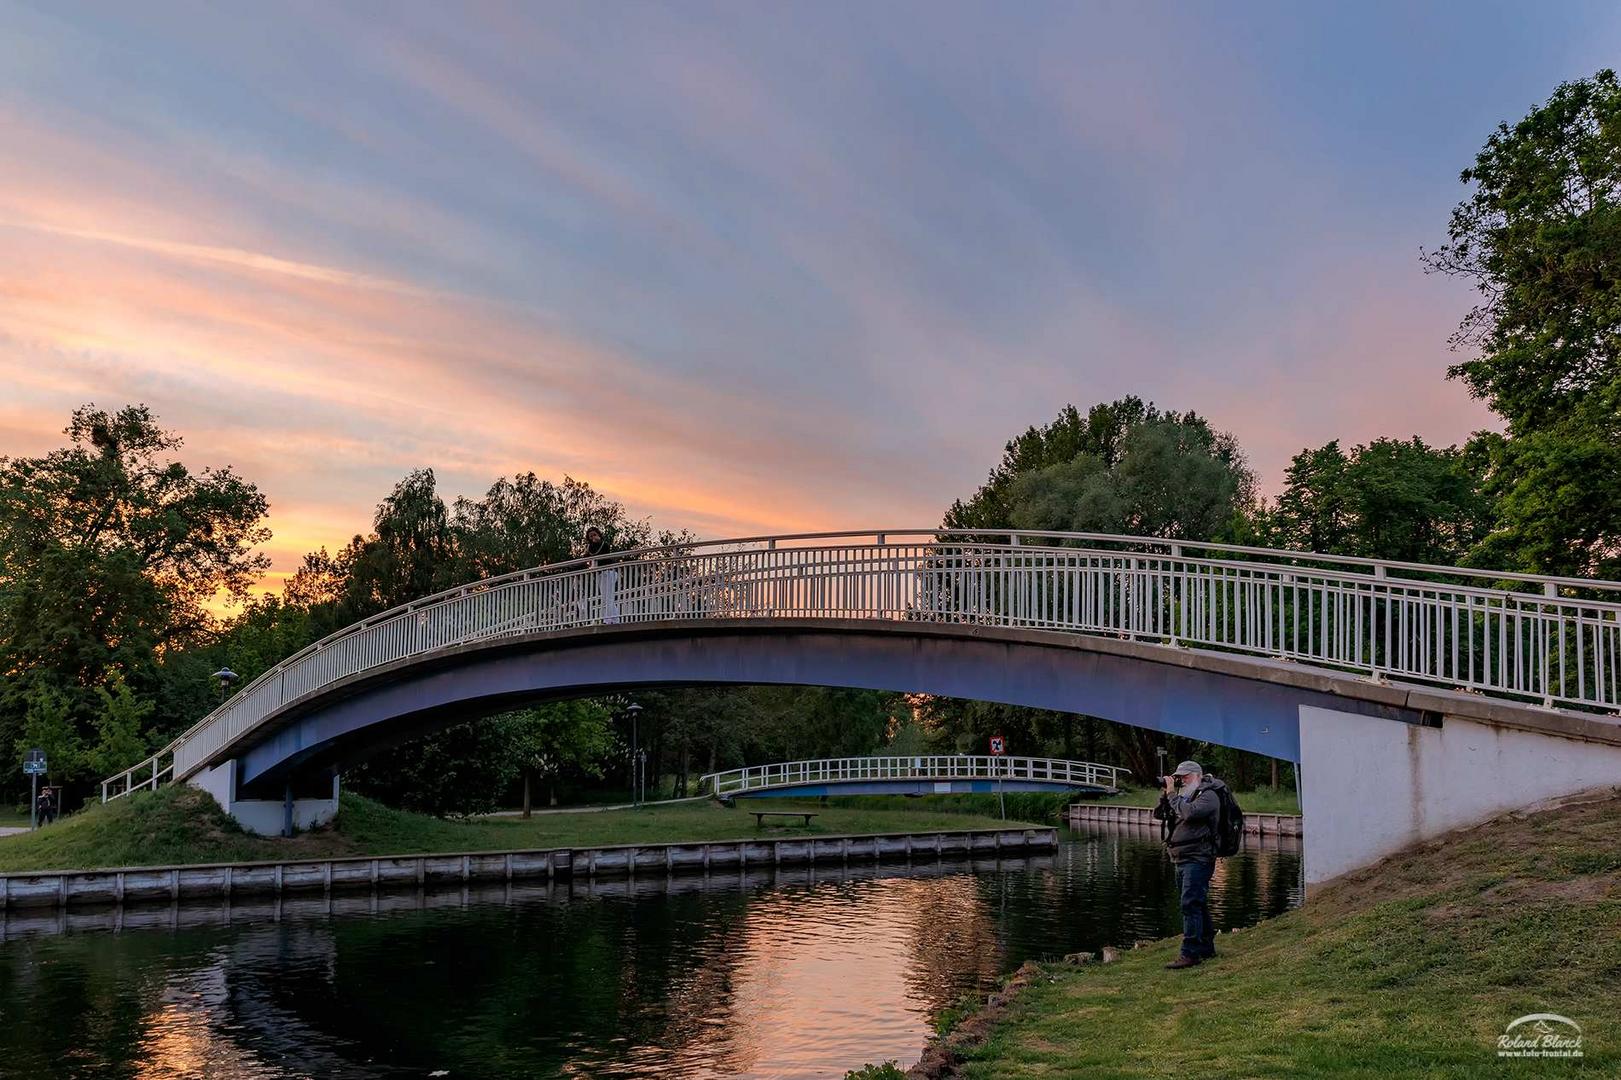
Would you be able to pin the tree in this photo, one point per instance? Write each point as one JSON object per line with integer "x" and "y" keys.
{"x": 1557, "y": 502}
{"x": 111, "y": 553}
{"x": 48, "y": 725}
{"x": 119, "y": 743}
{"x": 1125, "y": 467}
{"x": 1540, "y": 238}
{"x": 1171, "y": 478}
{"x": 462, "y": 769}
{"x": 1069, "y": 436}
{"x": 407, "y": 556}
{"x": 559, "y": 737}
{"x": 1390, "y": 499}
{"x": 1311, "y": 513}
{"x": 525, "y": 522}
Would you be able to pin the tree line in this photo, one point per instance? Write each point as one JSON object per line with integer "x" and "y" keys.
{"x": 115, "y": 554}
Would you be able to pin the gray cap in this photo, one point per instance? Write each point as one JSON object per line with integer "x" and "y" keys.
{"x": 1189, "y": 767}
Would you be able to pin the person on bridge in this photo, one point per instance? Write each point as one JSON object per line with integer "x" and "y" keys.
{"x": 608, "y": 578}
{"x": 1191, "y": 810}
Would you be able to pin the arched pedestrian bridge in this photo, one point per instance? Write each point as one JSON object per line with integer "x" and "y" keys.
{"x": 1414, "y": 698}
{"x": 926, "y": 774}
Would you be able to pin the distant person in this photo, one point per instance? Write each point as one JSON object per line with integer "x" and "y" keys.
{"x": 45, "y": 806}
{"x": 596, "y": 546}
{"x": 1191, "y": 810}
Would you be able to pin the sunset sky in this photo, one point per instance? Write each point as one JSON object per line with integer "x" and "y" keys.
{"x": 747, "y": 267}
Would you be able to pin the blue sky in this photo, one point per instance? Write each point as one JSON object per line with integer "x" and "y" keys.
{"x": 745, "y": 266}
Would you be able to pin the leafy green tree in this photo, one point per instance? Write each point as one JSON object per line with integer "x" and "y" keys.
{"x": 465, "y": 768}
{"x": 1126, "y": 467}
{"x": 525, "y": 522}
{"x": 1557, "y": 501}
{"x": 111, "y": 553}
{"x": 1540, "y": 237}
{"x": 119, "y": 742}
{"x": 1390, "y": 499}
{"x": 557, "y": 738}
{"x": 48, "y": 725}
{"x": 1172, "y": 478}
{"x": 408, "y": 555}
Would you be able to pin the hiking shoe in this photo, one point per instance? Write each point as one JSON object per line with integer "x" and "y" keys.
{"x": 1182, "y": 962}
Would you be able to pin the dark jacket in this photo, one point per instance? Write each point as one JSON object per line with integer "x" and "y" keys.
{"x": 1194, "y": 819}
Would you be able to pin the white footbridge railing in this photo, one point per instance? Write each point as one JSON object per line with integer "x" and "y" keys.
{"x": 1545, "y": 640}
{"x": 939, "y": 767}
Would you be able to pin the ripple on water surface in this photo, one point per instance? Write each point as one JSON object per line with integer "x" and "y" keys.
{"x": 804, "y": 973}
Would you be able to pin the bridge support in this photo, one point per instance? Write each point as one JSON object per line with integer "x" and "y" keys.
{"x": 303, "y": 805}
{"x": 1371, "y": 789}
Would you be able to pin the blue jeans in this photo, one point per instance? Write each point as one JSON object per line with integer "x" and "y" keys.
{"x": 1198, "y": 932}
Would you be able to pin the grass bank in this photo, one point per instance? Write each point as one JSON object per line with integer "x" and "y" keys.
{"x": 1409, "y": 969}
{"x": 183, "y": 825}
{"x": 1045, "y": 807}
{"x": 1259, "y": 801}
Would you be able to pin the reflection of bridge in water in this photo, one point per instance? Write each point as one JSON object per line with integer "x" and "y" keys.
{"x": 939, "y": 774}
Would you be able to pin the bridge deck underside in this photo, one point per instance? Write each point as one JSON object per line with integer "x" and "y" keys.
{"x": 1116, "y": 681}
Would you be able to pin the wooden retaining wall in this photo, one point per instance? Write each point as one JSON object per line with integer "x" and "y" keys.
{"x": 120, "y": 885}
{"x": 1111, "y": 814}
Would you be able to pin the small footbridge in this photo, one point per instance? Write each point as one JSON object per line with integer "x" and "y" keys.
{"x": 958, "y": 774}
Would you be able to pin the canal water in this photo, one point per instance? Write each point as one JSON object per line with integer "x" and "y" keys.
{"x": 804, "y": 972}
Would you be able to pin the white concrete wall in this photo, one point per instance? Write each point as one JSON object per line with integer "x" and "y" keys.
{"x": 264, "y": 816}
{"x": 1370, "y": 787}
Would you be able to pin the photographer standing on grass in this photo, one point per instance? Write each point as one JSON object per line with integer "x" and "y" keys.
{"x": 1192, "y": 811}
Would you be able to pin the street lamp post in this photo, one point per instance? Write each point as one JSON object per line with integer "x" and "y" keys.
{"x": 635, "y": 711}
{"x": 226, "y": 677}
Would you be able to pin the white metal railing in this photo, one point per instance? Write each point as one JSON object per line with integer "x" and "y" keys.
{"x": 941, "y": 767}
{"x": 147, "y": 774}
{"x": 1553, "y": 641}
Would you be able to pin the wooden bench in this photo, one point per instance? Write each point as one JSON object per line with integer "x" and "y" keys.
{"x": 761, "y": 815}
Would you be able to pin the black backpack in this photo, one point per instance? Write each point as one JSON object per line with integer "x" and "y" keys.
{"x": 1229, "y": 821}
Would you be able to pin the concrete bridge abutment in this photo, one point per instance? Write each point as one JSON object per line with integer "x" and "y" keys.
{"x": 310, "y": 803}
{"x": 1370, "y": 789}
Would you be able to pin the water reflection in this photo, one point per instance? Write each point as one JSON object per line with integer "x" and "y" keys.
{"x": 799, "y": 973}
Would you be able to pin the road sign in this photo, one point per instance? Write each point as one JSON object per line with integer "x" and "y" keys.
{"x": 998, "y": 744}
{"x": 34, "y": 763}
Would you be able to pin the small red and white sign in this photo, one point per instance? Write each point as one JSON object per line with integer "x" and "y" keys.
{"x": 998, "y": 744}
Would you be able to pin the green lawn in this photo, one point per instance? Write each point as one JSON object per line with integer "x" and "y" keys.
{"x": 1410, "y": 969}
{"x": 1259, "y": 801}
{"x": 184, "y": 825}
{"x": 13, "y": 816}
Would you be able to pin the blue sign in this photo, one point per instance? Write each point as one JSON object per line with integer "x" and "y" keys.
{"x": 34, "y": 763}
